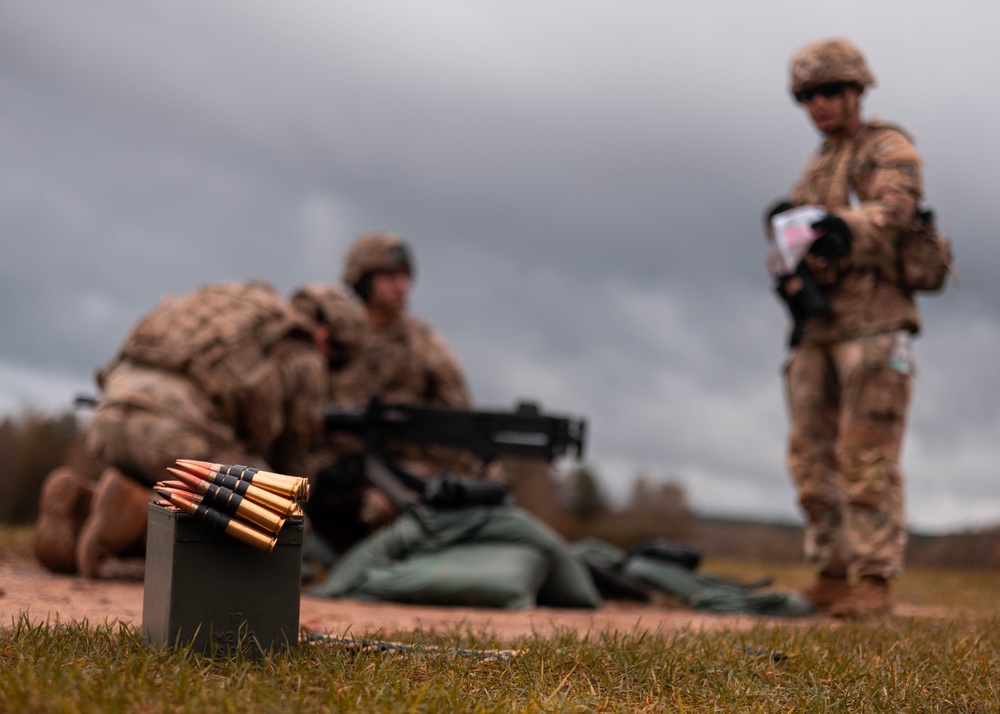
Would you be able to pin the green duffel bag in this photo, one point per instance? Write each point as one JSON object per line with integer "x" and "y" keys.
{"x": 499, "y": 575}
{"x": 425, "y": 531}
{"x": 712, "y": 594}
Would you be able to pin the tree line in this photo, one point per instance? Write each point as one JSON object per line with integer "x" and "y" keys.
{"x": 573, "y": 501}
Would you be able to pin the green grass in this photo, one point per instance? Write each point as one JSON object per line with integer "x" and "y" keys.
{"x": 892, "y": 666}
{"x": 972, "y": 591}
{"x": 896, "y": 664}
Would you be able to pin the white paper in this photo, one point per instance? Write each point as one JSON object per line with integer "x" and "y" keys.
{"x": 793, "y": 233}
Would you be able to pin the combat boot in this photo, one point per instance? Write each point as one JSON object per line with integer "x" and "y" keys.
{"x": 869, "y": 598}
{"x": 62, "y": 509}
{"x": 117, "y": 522}
{"x": 827, "y": 591}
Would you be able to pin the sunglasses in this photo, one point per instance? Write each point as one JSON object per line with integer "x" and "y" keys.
{"x": 831, "y": 89}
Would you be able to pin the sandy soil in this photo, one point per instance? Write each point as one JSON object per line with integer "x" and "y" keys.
{"x": 26, "y": 587}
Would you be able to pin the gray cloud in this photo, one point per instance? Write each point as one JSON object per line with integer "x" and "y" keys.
{"x": 583, "y": 184}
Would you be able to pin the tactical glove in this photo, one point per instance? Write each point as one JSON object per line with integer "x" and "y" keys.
{"x": 800, "y": 292}
{"x": 450, "y": 492}
{"x": 803, "y": 297}
{"x": 834, "y": 240}
{"x": 346, "y": 474}
{"x": 779, "y": 206}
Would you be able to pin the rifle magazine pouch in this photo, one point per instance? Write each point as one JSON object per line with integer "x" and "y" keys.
{"x": 925, "y": 256}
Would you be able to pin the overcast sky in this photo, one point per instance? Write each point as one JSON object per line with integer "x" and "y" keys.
{"x": 582, "y": 183}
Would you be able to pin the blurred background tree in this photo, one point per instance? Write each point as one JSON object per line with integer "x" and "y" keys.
{"x": 30, "y": 447}
{"x": 574, "y": 502}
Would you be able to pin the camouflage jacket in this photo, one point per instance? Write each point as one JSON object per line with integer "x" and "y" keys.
{"x": 409, "y": 362}
{"x": 884, "y": 170}
{"x": 230, "y": 361}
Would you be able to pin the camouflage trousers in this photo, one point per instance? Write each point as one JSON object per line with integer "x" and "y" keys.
{"x": 848, "y": 417}
{"x": 142, "y": 444}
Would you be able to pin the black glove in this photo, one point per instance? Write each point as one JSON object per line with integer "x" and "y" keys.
{"x": 451, "y": 492}
{"x": 779, "y": 206}
{"x": 834, "y": 240}
{"x": 803, "y": 297}
{"x": 346, "y": 474}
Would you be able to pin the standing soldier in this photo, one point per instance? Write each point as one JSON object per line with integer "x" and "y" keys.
{"x": 227, "y": 373}
{"x": 848, "y": 379}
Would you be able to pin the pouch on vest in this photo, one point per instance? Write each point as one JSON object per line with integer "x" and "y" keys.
{"x": 925, "y": 256}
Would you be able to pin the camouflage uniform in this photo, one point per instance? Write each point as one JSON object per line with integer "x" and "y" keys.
{"x": 847, "y": 404}
{"x": 411, "y": 363}
{"x": 228, "y": 373}
{"x": 229, "y": 370}
{"x": 350, "y": 384}
{"x": 407, "y": 361}
{"x": 335, "y": 501}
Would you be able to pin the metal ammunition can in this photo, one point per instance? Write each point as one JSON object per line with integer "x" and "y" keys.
{"x": 207, "y": 588}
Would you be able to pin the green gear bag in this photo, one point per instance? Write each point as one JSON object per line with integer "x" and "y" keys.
{"x": 707, "y": 593}
{"x": 502, "y": 575}
{"x": 433, "y": 534}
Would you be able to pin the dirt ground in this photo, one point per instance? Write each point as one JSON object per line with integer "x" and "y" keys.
{"x": 26, "y": 587}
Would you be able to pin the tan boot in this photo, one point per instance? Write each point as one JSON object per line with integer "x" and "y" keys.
{"x": 869, "y": 598}
{"x": 62, "y": 509}
{"x": 827, "y": 591}
{"x": 117, "y": 522}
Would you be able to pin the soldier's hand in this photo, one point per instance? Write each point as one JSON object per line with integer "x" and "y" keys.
{"x": 344, "y": 475}
{"x": 779, "y": 206}
{"x": 834, "y": 239}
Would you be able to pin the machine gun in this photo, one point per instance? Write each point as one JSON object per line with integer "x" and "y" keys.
{"x": 525, "y": 431}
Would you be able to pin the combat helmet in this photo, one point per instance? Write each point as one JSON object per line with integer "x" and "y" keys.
{"x": 341, "y": 313}
{"x": 374, "y": 252}
{"x": 829, "y": 61}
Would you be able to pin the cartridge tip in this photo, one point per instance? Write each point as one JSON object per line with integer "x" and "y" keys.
{"x": 198, "y": 469}
{"x": 196, "y": 462}
{"x": 177, "y": 485}
{"x": 188, "y": 479}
